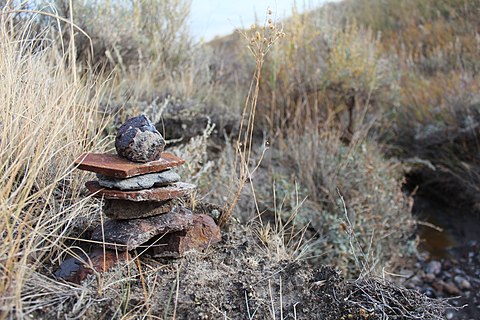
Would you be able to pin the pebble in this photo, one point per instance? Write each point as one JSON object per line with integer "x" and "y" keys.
{"x": 462, "y": 283}
{"x": 416, "y": 280}
{"x": 429, "y": 292}
{"x": 457, "y": 270}
{"x": 139, "y": 141}
{"x": 76, "y": 270}
{"x": 406, "y": 273}
{"x": 452, "y": 289}
{"x": 434, "y": 267}
{"x": 429, "y": 277}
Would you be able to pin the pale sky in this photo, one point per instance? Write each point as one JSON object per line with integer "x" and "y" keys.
{"x": 210, "y": 18}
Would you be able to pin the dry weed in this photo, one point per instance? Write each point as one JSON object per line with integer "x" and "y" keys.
{"x": 260, "y": 41}
{"x": 48, "y": 118}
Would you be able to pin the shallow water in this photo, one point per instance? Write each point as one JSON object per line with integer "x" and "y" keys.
{"x": 444, "y": 228}
{"x": 436, "y": 238}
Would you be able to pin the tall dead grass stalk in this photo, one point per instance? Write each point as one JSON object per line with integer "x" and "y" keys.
{"x": 260, "y": 41}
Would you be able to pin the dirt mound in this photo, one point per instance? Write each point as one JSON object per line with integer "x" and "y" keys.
{"x": 235, "y": 280}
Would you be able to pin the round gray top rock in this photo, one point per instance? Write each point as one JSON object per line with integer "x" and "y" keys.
{"x": 138, "y": 140}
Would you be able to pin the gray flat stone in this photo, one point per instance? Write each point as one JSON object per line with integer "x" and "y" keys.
{"x": 124, "y": 209}
{"x": 126, "y": 235}
{"x": 145, "y": 181}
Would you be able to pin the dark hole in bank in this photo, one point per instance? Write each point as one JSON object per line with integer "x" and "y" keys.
{"x": 446, "y": 223}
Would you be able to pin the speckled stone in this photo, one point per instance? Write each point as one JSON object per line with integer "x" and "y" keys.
{"x": 138, "y": 140}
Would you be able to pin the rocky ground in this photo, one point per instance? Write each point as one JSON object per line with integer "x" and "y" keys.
{"x": 448, "y": 265}
{"x": 455, "y": 278}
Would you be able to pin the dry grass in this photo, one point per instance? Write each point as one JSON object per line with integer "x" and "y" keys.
{"x": 433, "y": 47}
{"x": 147, "y": 49}
{"x": 282, "y": 238}
{"x": 323, "y": 89}
{"x": 260, "y": 41}
{"x": 325, "y": 73}
{"x": 47, "y": 119}
{"x": 379, "y": 219}
{"x": 374, "y": 297}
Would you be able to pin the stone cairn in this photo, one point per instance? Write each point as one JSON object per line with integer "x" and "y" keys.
{"x": 141, "y": 197}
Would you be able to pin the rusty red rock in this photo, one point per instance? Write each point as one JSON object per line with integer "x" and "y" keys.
{"x": 202, "y": 235}
{"x": 77, "y": 269}
{"x": 113, "y": 165}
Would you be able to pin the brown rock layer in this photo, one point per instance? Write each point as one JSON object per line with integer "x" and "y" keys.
{"x": 130, "y": 234}
{"x": 124, "y": 209}
{"x": 175, "y": 190}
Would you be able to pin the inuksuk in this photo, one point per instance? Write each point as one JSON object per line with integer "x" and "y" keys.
{"x": 142, "y": 198}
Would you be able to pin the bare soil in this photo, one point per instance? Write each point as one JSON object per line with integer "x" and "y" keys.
{"x": 238, "y": 279}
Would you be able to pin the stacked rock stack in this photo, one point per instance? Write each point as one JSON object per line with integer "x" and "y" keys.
{"x": 141, "y": 192}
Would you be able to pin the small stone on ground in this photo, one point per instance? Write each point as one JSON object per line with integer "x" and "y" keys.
{"x": 74, "y": 270}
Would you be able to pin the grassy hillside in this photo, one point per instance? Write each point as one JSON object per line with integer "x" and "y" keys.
{"x": 435, "y": 47}
{"x": 406, "y": 69}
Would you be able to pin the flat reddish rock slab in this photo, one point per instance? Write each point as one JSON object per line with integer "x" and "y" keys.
{"x": 113, "y": 165}
{"x": 204, "y": 234}
{"x": 172, "y": 191}
{"x": 74, "y": 270}
{"x": 130, "y": 234}
{"x": 124, "y": 209}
